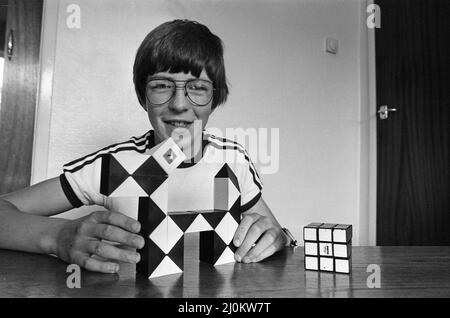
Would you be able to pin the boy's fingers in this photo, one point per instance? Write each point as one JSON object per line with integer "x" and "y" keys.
{"x": 269, "y": 237}
{"x": 241, "y": 231}
{"x": 253, "y": 234}
{"x": 114, "y": 234}
{"x": 117, "y": 219}
{"x": 94, "y": 265}
{"x": 108, "y": 251}
{"x": 266, "y": 253}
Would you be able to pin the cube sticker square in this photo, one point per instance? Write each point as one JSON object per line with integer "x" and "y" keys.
{"x": 325, "y": 232}
{"x": 342, "y": 250}
{"x": 326, "y": 249}
{"x": 311, "y": 248}
{"x": 342, "y": 265}
{"x": 310, "y": 232}
{"x": 311, "y": 263}
{"x": 327, "y": 264}
{"x": 342, "y": 233}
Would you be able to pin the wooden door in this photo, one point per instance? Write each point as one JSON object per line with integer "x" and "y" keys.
{"x": 18, "y": 96}
{"x": 413, "y": 76}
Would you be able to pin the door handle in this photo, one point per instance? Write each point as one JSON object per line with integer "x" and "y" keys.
{"x": 10, "y": 44}
{"x": 384, "y": 110}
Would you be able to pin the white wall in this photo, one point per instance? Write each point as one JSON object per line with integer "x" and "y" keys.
{"x": 280, "y": 78}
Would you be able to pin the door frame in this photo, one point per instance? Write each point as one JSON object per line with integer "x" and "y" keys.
{"x": 372, "y": 178}
{"x": 368, "y": 134}
{"x": 42, "y": 124}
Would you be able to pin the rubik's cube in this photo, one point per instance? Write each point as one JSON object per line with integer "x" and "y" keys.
{"x": 328, "y": 247}
{"x": 145, "y": 177}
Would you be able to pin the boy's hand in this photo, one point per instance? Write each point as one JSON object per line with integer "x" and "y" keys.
{"x": 257, "y": 237}
{"x": 78, "y": 240}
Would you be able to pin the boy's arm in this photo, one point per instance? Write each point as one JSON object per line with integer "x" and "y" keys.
{"x": 24, "y": 226}
{"x": 45, "y": 198}
{"x": 258, "y": 225}
{"x": 26, "y": 232}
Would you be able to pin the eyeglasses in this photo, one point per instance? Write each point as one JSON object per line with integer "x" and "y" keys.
{"x": 161, "y": 90}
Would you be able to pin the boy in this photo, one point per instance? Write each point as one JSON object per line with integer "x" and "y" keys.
{"x": 179, "y": 78}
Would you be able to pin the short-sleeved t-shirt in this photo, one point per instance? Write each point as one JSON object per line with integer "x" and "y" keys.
{"x": 191, "y": 185}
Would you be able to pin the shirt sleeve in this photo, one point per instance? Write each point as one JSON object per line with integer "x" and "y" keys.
{"x": 249, "y": 182}
{"x": 80, "y": 181}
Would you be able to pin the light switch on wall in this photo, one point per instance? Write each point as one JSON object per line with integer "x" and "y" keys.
{"x": 331, "y": 45}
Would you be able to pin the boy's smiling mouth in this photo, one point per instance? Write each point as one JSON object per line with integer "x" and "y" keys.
{"x": 178, "y": 123}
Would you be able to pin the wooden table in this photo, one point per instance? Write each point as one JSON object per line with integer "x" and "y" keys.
{"x": 405, "y": 272}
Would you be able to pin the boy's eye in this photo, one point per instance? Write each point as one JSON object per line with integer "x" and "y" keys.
{"x": 159, "y": 84}
{"x": 198, "y": 86}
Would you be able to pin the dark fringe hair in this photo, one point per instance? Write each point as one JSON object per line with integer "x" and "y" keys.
{"x": 181, "y": 46}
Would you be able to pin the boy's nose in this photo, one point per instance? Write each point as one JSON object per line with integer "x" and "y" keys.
{"x": 179, "y": 102}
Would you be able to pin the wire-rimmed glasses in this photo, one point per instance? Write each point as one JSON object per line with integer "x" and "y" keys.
{"x": 160, "y": 90}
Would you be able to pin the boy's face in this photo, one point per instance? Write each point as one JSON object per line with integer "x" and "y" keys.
{"x": 176, "y": 117}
